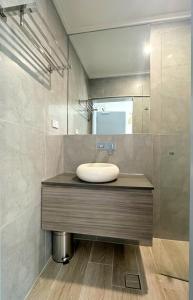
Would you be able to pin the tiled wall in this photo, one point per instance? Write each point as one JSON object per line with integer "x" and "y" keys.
{"x": 141, "y": 115}
{"x": 134, "y": 153}
{"x": 30, "y": 151}
{"x": 120, "y": 86}
{"x": 162, "y": 156}
{"x": 170, "y": 122}
{"x": 136, "y": 86}
{"x": 78, "y": 90}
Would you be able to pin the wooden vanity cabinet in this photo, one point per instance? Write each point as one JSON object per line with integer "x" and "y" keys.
{"x": 102, "y": 210}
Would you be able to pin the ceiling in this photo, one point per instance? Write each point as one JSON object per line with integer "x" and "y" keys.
{"x": 88, "y": 15}
{"x": 113, "y": 52}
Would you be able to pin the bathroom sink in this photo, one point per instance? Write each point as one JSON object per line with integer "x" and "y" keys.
{"x": 97, "y": 172}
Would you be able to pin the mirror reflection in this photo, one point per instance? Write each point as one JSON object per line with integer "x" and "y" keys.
{"x": 120, "y": 115}
{"x": 116, "y": 96}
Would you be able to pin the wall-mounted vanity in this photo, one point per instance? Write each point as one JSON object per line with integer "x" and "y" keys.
{"x": 119, "y": 209}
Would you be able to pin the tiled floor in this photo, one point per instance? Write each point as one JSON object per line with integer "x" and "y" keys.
{"x": 97, "y": 272}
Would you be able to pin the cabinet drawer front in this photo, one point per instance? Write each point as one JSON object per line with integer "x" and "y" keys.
{"x": 113, "y": 213}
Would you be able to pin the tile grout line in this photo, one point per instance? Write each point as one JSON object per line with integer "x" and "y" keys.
{"x": 54, "y": 281}
{"x": 97, "y": 263}
{"x": 113, "y": 265}
{"x": 84, "y": 272}
{"x": 37, "y": 279}
{"x": 24, "y": 125}
{"x": 89, "y": 259}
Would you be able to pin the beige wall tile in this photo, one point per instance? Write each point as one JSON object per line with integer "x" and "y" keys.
{"x": 120, "y": 86}
{"x": 129, "y": 155}
{"x": 29, "y": 150}
{"x": 170, "y": 121}
{"x": 78, "y": 90}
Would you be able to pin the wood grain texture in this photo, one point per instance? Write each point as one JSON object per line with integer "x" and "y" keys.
{"x": 126, "y": 214}
{"x": 42, "y": 287}
{"x": 172, "y": 258}
{"x": 71, "y": 276}
{"x": 82, "y": 280}
{"x": 97, "y": 282}
{"x": 128, "y": 268}
{"x": 102, "y": 253}
{"x": 124, "y": 262}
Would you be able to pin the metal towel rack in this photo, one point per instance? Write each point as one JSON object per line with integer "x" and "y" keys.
{"x": 54, "y": 56}
{"x": 86, "y": 109}
{"x": 86, "y": 105}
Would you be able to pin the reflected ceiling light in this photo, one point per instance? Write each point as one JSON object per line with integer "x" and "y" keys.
{"x": 147, "y": 49}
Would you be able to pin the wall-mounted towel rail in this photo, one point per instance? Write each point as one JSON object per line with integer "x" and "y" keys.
{"x": 86, "y": 108}
{"x": 29, "y": 18}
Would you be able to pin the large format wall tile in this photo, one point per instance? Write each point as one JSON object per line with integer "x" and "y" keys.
{"x": 22, "y": 168}
{"x": 129, "y": 154}
{"x": 171, "y": 178}
{"x": 56, "y": 105}
{"x": 30, "y": 152}
{"x": 170, "y": 122}
{"x": 22, "y": 253}
{"x": 54, "y": 155}
{"x": 11, "y": 107}
{"x": 56, "y": 26}
{"x": 174, "y": 214}
{"x": 176, "y": 42}
{"x": 171, "y": 161}
{"x": 120, "y": 86}
{"x": 133, "y": 154}
{"x": 174, "y": 169}
{"x": 176, "y": 93}
{"x": 78, "y": 150}
{"x": 78, "y": 90}
{"x": 34, "y": 113}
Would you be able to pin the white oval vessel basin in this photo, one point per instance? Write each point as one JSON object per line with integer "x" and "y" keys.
{"x": 97, "y": 172}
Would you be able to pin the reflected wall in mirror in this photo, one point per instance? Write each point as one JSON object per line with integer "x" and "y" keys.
{"x": 113, "y": 86}
{"x": 120, "y": 115}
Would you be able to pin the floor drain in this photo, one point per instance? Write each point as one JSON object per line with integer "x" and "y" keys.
{"x": 132, "y": 281}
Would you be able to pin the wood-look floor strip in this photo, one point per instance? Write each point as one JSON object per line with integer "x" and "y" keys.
{"x": 174, "y": 289}
{"x": 102, "y": 252}
{"x": 97, "y": 282}
{"x": 42, "y": 287}
{"x": 142, "y": 274}
{"x": 169, "y": 264}
{"x": 70, "y": 278}
{"x": 125, "y": 264}
{"x": 161, "y": 287}
{"x": 86, "y": 280}
{"x": 123, "y": 294}
{"x": 155, "y": 290}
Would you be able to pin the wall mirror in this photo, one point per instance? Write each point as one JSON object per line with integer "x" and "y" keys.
{"x": 114, "y": 95}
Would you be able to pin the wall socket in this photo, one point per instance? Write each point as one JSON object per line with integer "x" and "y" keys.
{"x": 55, "y": 124}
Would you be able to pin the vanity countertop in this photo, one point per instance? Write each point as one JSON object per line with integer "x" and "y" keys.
{"x": 126, "y": 181}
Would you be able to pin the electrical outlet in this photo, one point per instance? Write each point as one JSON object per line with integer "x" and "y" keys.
{"x": 55, "y": 124}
